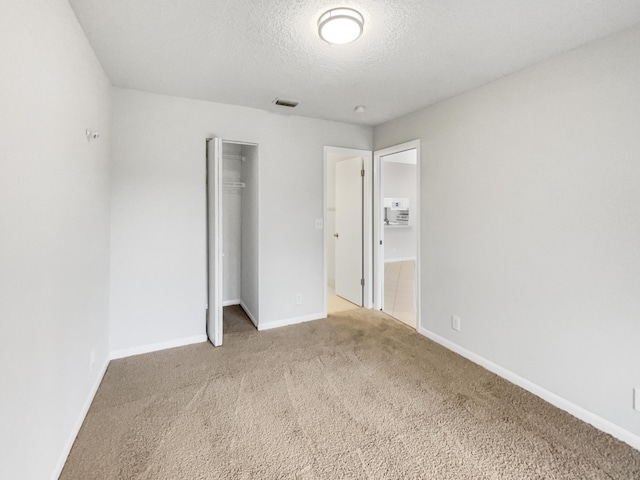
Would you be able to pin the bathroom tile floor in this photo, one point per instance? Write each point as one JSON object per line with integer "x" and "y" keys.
{"x": 399, "y": 286}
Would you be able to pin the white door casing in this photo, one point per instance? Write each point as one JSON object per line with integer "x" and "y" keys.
{"x": 348, "y": 235}
{"x": 378, "y": 226}
{"x": 214, "y": 241}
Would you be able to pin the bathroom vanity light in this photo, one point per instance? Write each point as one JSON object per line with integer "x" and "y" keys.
{"x": 340, "y": 25}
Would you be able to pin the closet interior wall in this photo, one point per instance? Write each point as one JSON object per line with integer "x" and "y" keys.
{"x": 240, "y": 227}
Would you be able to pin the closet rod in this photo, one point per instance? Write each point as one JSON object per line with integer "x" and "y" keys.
{"x": 233, "y": 157}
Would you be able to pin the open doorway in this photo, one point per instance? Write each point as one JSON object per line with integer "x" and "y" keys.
{"x": 397, "y": 232}
{"x": 232, "y": 235}
{"x": 347, "y": 221}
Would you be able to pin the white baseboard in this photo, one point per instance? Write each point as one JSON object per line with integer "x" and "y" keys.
{"x": 228, "y": 303}
{"x": 554, "y": 399}
{"x": 400, "y": 259}
{"x": 249, "y": 314}
{"x": 76, "y": 427}
{"x": 178, "y": 342}
{"x": 290, "y": 321}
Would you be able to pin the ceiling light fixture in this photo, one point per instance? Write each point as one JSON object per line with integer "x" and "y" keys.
{"x": 340, "y": 25}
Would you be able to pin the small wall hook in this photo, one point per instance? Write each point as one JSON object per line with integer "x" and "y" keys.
{"x": 91, "y": 135}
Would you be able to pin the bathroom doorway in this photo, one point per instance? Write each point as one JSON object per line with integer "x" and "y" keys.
{"x": 397, "y": 232}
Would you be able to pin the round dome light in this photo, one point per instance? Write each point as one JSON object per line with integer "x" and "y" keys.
{"x": 340, "y": 25}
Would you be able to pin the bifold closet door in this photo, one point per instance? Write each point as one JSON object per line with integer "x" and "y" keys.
{"x": 214, "y": 240}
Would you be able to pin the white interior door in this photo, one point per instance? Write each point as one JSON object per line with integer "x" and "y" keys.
{"x": 214, "y": 240}
{"x": 348, "y": 235}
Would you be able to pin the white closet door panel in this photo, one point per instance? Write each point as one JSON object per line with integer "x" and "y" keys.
{"x": 214, "y": 233}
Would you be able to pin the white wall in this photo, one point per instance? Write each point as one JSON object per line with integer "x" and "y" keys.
{"x": 399, "y": 180}
{"x": 158, "y": 204}
{"x": 531, "y": 223}
{"x": 54, "y": 240}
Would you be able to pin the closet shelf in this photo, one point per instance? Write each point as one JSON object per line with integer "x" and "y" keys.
{"x": 228, "y": 156}
{"x": 233, "y": 184}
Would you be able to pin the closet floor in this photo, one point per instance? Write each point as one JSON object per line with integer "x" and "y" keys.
{"x": 234, "y": 320}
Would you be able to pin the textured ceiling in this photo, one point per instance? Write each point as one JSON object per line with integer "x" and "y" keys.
{"x": 413, "y": 52}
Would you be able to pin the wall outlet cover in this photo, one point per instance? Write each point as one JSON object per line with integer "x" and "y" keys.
{"x": 455, "y": 323}
{"x": 319, "y": 223}
{"x": 636, "y": 399}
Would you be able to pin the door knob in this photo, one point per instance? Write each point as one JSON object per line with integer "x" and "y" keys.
{"x": 336, "y": 235}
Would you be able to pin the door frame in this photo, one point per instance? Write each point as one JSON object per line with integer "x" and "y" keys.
{"x": 367, "y": 238}
{"x": 378, "y": 232}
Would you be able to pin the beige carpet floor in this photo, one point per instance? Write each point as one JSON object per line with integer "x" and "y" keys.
{"x": 357, "y": 395}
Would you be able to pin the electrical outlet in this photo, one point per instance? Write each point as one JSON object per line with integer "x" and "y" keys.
{"x": 455, "y": 323}
{"x": 636, "y": 399}
{"x": 319, "y": 224}
{"x": 92, "y": 359}
{"x": 298, "y": 299}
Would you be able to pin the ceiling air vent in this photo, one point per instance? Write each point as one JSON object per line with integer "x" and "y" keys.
{"x": 285, "y": 103}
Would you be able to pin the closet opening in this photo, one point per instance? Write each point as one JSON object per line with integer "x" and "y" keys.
{"x": 232, "y": 237}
